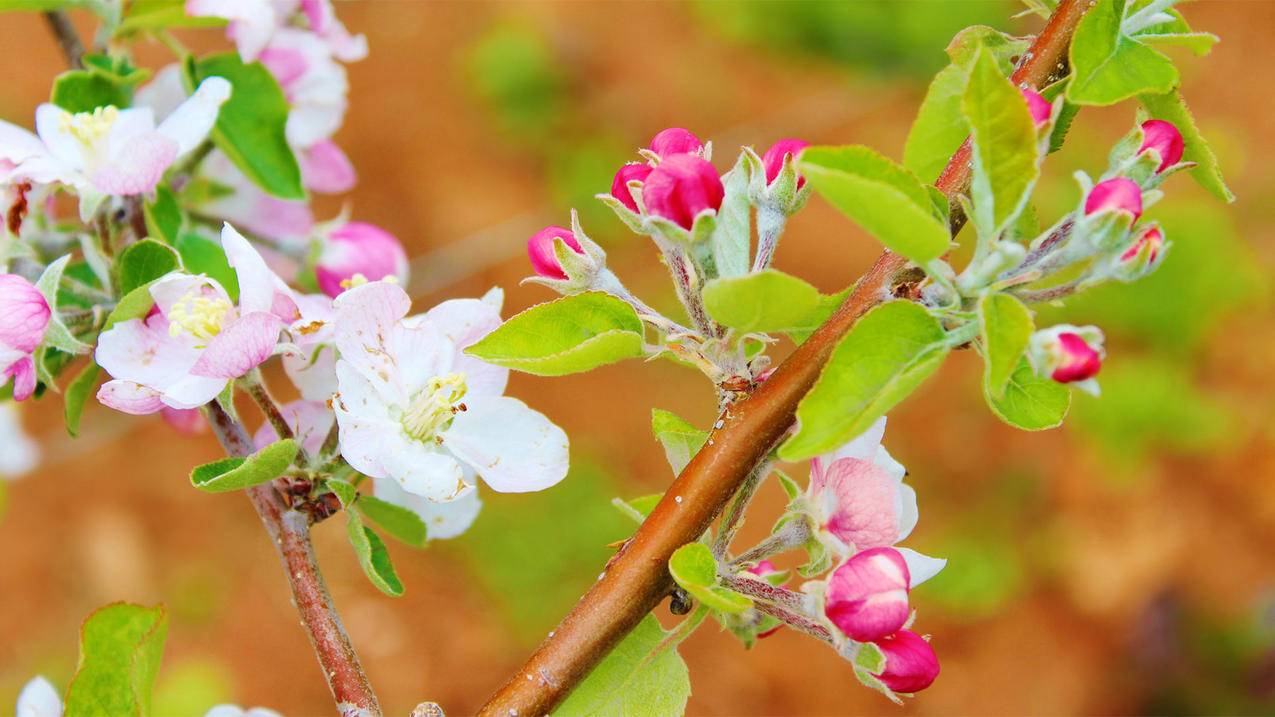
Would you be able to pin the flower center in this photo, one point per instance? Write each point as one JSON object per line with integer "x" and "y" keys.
{"x": 90, "y": 127}
{"x": 199, "y": 317}
{"x": 434, "y": 406}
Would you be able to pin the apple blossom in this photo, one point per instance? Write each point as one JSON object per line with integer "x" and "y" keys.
{"x": 316, "y": 87}
{"x": 359, "y": 249}
{"x": 620, "y": 185}
{"x": 773, "y": 159}
{"x": 110, "y": 151}
{"x": 674, "y": 141}
{"x": 681, "y": 188}
{"x": 540, "y": 251}
{"x": 195, "y": 339}
{"x": 38, "y": 699}
{"x": 910, "y": 662}
{"x": 1165, "y": 139}
{"x": 867, "y": 596}
{"x": 186, "y": 421}
{"x": 1039, "y": 107}
{"x": 413, "y": 407}
{"x": 1119, "y": 195}
{"x": 1068, "y": 354}
{"x": 253, "y": 23}
{"x": 24, "y": 317}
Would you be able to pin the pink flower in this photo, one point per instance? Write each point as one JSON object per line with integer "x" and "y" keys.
{"x": 681, "y": 188}
{"x": 186, "y": 421}
{"x": 1038, "y": 106}
{"x": 359, "y": 249}
{"x": 24, "y": 316}
{"x": 1078, "y": 361}
{"x": 1068, "y": 354}
{"x": 867, "y": 596}
{"x": 326, "y": 169}
{"x": 910, "y": 662}
{"x": 1165, "y": 139}
{"x": 1151, "y": 241}
{"x": 310, "y": 422}
{"x": 322, "y": 19}
{"x": 1120, "y": 194}
{"x": 620, "y": 185}
{"x": 540, "y": 251}
{"x": 773, "y": 160}
{"x": 252, "y": 24}
{"x": 674, "y": 141}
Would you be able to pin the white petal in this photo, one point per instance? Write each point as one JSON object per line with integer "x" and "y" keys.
{"x": 905, "y": 510}
{"x": 39, "y": 699}
{"x": 175, "y": 286}
{"x": 442, "y": 520}
{"x": 863, "y": 446}
{"x": 257, "y": 284}
{"x": 143, "y": 352}
{"x": 17, "y": 144}
{"x": 365, "y": 441}
{"x": 164, "y": 93}
{"x": 464, "y": 322}
{"x": 513, "y": 448}
{"x": 193, "y": 119}
{"x": 129, "y": 124}
{"x": 395, "y": 358}
{"x": 421, "y": 470}
{"x": 887, "y": 462}
{"x": 18, "y": 453}
{"x": 921, "y": 567}
{"x": 193, "y": 391}
{"x": 314, "y": 374}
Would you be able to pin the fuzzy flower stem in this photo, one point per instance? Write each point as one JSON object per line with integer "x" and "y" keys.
{"x": 793, "y": 535}
{"x": 733, "y": 518}
{"x": 770, "y": 225}
{"x": 759, "y": 589}
{"x": 796, "y": 621}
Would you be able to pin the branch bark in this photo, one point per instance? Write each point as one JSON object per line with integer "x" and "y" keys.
{"x": 636, "y": 578}
{"x": 68, "y": 38}
{"x": 290, "y": 532}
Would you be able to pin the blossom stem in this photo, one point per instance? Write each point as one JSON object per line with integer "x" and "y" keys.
{"x": 793, "y": 535}
{"x": 1051, "y": 294}
{"x": 685, "y": 279}
{"x": 733, "y": 518}
{"x": 759, "y": 589}
{"x": 253, "y": 384}
{"x": 797, "y": 621}
{"x": 637, "y": 578}
{"x": 290, "y": 532}
{"x": 68, "y": 38}
{"x": 770, "y": 225}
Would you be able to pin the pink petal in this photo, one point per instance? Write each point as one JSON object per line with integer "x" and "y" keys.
{"x": 137, "y": 166}
{"x": 326, "y": 169}
{"x": 129, "y": 397}
{"x": 861, "y": 504}
{"x": 23, "y": 373}
{"x": 24, "y": 314}
{"x": 240, "y": 347}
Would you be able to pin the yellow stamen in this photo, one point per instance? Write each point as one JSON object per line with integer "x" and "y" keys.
{"x": 434, "y": 406}
{"x": 90, "y": 127}
{"x": 197, "y": 316}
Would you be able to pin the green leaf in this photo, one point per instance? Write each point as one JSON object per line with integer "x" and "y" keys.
{"x": 639, "y": 678}
{"x": 344, "y": 490}
{"x": 732, "y": 236}
{"x": 884, "y": 358}
{"x": 201, "y": 255}
{"x": 144, "y": 262}
{"x": 766, "y": 302}
{"x": 1007, "y": 327}
{"x": 395, "y": 520}
{"x": 237, "y": 473}
{"x": 372, "y": 555}
{"x": 1172, "y": 108}
{"x": 160, "y": 15}
{"x": 1005, "y": 161}
{"x": 695, "y": 569}
{"x": 680, "y": 439}
{"x": 121, "y": 646}
{"x": 937, "y": 131}
{"x": 637, "y": 508}
{"x": 1107, "y": 66}
{"x": 77, "y": 394}
{"x": 879, "y": 195}
{"x": 1031, "y": 402}
{"x": 163, "y": 216}
{"x": 56, "y": 334}
{"x": 136, "y": 304}
{"x": 250, "y": 127}
{"x": 83, "y": 91}
{"x": 573, "y": 334}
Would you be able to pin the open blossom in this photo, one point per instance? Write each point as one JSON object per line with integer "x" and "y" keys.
{"x": 674, "y": 141}
{"x": 773, "y": 159}
{"x": 867, "y": 595}
{"x": 110, "y": 151}
{"x": 24, "y": 317}
{"x": 195, "y": 339}
{"x": 1165, "y": 139}
{"x": 620, "y": 184}
{"x": 359, "y": 249}
{"x": 681, "y": 188}
{"x": 910, "y": 662}
{"x": 540, "y": 251}
{"x": 252, "y": 24}
{"x": 414, "y": 408}
{"x": 38, "y": 699}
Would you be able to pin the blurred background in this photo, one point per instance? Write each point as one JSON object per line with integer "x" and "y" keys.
{"x": 1120, "y": 565}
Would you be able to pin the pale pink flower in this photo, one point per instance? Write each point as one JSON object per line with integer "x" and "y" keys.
{"x": 24, "y": 317}
{"x": 253, "y": 23}
{"x": 19, "y": 453}
{"x": 186, "y": 421}
{"x": 359, "y": 249}
{"x": 414, "y": 408}
{"x": 229, "y": 710}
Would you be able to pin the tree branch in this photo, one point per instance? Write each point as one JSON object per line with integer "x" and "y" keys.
{"x": 68, "y": 38}
{"x": 637, "y": 578}
{"x": 290, "y": 532}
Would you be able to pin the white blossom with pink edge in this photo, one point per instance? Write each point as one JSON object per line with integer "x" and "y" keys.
{"x": 38, "y": 699}
{"x": 24, "y": 317}
{"x": 859, "y": 501}
{"x": 195, "y": 339}
{"x": 252, "y": 24}
{"x": 413, "y": 407}
{"x": 109, "y": 152}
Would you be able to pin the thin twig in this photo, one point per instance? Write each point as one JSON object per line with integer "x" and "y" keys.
{"x": 734, "y": 516}
{"x": 68, "y": 38}
{"x": 637, "y": 578}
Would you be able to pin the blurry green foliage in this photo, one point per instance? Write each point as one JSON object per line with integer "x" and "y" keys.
{"x": 882, "y": 36}
{"x": 581, "y": 168}
{"x": 536, "y": 553}
{"x": 984, "y": 572}
{"x": 514, "y": 72}
{"x": 192, "y": 686}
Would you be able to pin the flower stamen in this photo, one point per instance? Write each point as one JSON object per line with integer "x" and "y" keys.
{"x": 433, "y": 407}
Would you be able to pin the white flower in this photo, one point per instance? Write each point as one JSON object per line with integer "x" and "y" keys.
{"x": 38, "y": 699}
{"x": 414, "y": 408}
{"x": 18, "y": 453}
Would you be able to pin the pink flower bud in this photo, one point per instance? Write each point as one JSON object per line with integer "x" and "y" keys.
{"x": 1075, "y": 359}
{"x": 1038, "y": 106}
{"x": 1119, "y": 194}
{"x": 359, "y": 249}
{"x": 186, "y": 421}
{"x": 867, "y": 596}
{"x": 910, "y": 662}
{"x": 1152, "y": 239}
{"x": 773, "y": 160}
{"x": 763, "y": 569}
{"x": 1165, "y": 139}
{"x": 620, "y": 185}
{"x": 24, "y": 316}
{"x": 682, "y": 187}
{"x": 540, "y": 251}
{"x": 674, "y": 141}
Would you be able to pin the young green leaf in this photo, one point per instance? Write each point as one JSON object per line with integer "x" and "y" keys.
{"x": 56, "y": 334}
{"x": 394, "y": 519}
{"x": 639, "y": 678}
{"x": 680, "y": 439}
{"x": 121, "y": 646}
{"x": 637, "y": 508}
{"x": 201, "y": 255}
{"x": 1005, "y": 160}
{"x": 372, "y": 555}
{"x": 572, "y": 334}
{"x": 1171, "y": 107}
{"x": 83, "y": 91}
{"x": 1031, "y": 402}
{"x": 1007, "y": 327}
{"x": 144, "y": 262}
{"x": 236, "y": 473}
{"x": 1108, "y": 66}
{"x": 163, "y": 216}
{"x": 77, "y": 395}
{"x": 250, "y": 127}
{"x": 884, "y": 358}
{"x": 695, "y": 569}
{"x": 766, "y": 302}
{"x": 884, "y": 198}
{"x": 732, "y": 236}
{"x": 161, "y": 15}
{"x": 344, "y": 490}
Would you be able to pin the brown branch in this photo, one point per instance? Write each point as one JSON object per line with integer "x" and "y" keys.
{"x": 68, "y": 38}
{"x": 636, "y": 578}
{"x": 290, "y": 532}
